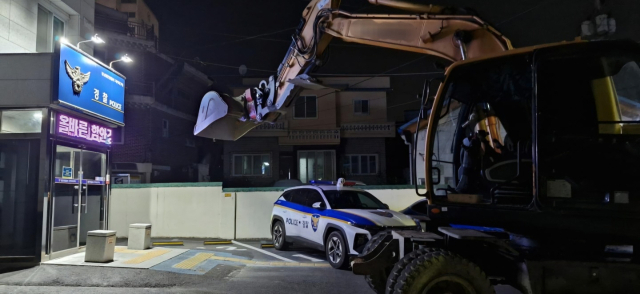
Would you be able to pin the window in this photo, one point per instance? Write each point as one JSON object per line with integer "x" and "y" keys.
{"x": 165, "y": 128}
{"x": 316, "y": 165}
{"x": 312, "y": 197}
{"x": 251, "y": 165}
{"x": 306, "y": 107}
{"x": 602, "y": 91}
{"x": 298, "y": 197}
{"x": 346, "y": 199}
{"x": 628, "y": 91}
{"x": 49, "y": 30}
{"x": 287, "y": 195}
{"x": 128, "y": 1}
{"x": 361, "y": 106}
{"x": 20, "y": 121}
{"x": 360, "y": 164}
{"x": 131, "y": 14}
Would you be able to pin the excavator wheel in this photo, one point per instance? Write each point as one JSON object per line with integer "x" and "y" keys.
{"x": 401, "y": 265}
{"x": 441, "y": 272}
{"x": 378, "y": 280}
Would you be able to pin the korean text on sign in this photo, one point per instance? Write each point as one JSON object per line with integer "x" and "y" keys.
{"x": 78, "y": 128}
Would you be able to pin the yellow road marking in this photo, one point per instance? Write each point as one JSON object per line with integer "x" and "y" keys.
{"x": 147, "y": 256}
{"x": 216, "y": 242}
{"x": 193, "y": 261}
{"x": 167, "y": 243}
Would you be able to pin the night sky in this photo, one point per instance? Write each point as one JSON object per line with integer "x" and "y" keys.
{"x": 257, "y": 33}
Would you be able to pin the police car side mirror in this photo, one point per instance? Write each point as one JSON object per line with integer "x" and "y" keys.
{"x": 319, "y": 205}
{"x": 385, "y": 205}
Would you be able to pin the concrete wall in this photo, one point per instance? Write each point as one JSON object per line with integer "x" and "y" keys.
{"x": 190, "y": 210}
{"x": 18, "y": 22}
{"x": 25, "y": 79}
{"x": 173, "y": 210}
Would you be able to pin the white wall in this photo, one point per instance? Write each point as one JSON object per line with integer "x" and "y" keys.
{"x": 18, "y": 22}
{"x": 188, "y": 212}
{"x": 207, "y": 212}
{"x": 253, "y": 214}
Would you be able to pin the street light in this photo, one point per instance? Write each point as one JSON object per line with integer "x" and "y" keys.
{"x": 94, "y": 39}
{"x": 124, "y": 58}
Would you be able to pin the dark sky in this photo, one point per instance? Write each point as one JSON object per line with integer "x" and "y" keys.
{"x": 218, "y": 31}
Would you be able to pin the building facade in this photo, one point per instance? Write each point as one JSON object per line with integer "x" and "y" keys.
{"x": 59, "y": 108}
{"x": 162, "y": 98}
{"x": 325, "y": 134}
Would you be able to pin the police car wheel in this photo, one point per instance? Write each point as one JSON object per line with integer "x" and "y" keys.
{"x": 279, "y": 236}
{"x": 336, "y": 250}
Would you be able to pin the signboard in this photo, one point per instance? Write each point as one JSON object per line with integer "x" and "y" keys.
{"x": 89, "y": 86}
{"x": 76, "y": 128}
{"x": 120, "y": 179}
{"x": 77, "y": 181}
{"x": 67, "y": 172}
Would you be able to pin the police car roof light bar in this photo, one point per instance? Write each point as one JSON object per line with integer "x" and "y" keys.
{"x": 317, "y": 182}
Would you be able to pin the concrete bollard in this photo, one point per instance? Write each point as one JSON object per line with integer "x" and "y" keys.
{"x": 101, "y": 245}
{"x": 139, "y": 236}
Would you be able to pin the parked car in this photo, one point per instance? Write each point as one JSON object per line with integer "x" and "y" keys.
{"x": 333, "y": 217}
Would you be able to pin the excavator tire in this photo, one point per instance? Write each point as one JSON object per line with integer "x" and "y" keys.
{"x": 442, "y": 272}
{"x": 397, "y": 270}
{"x": 378, "y": 280}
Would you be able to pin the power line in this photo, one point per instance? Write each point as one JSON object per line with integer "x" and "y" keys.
{"x": 523, "y": 12}
{"x": 247, "y": 38}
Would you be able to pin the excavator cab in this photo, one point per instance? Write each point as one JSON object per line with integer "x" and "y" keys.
{"x": 552, "y": 126}
{"x": 483, "y": 131}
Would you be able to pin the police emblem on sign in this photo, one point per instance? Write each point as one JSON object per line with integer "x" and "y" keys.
{"x": 78, "y": 79}
{"x": 314, "y": 221}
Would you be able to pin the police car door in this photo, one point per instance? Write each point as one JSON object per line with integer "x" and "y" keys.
{"x": 282, "y": 209}
{"x": 293, "y": 219}
{"x": 312, "y": 227}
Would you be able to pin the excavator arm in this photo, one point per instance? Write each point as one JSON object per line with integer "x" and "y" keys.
{"x": 428, "y": 31}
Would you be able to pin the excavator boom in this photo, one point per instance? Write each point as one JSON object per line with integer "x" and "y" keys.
{"x": 450, "y": 37}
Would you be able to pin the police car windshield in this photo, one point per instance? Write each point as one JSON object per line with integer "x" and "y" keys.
{"x": 353, "y": 200}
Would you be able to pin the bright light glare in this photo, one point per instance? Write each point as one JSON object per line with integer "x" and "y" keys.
{"x": 97, "y": 39}
{"x": 266, "y": 164}
{"x": 64, "y": 40}
{"x": 126, "y": 58}
{"x": 37, "y": 115}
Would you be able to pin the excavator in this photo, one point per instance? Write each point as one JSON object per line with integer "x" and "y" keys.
{"x": 533, "y": 153}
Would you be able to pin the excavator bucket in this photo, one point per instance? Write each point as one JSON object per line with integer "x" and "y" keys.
{"x": 219, "y": 118}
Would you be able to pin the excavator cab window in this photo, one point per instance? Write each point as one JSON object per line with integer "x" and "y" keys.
{"x": 483, "y": 136}
{"x": 589, "y": 129}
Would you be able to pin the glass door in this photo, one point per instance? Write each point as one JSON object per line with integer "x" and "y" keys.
{"x": 94, "y": 169}
{"x": 77, "y": 192}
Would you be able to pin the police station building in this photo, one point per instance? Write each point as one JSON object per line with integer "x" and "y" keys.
{"x": 57, "y": 113}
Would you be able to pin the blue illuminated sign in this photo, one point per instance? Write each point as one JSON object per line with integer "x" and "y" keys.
{"x": 89, "y": 86}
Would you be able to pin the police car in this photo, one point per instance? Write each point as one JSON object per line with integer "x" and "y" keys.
{"x": 332, "y": 217}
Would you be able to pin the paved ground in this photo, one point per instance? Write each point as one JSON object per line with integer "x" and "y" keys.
{"x": 241, "y": 267}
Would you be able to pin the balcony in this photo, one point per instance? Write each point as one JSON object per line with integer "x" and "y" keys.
{"x": 311, "y": 137}
{"x": 277, "y": 129}
{"x": 368, "y": 130}
{"x": 127, "y": 33}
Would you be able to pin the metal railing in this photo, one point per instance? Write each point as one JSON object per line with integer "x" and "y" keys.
{"x": 129, "y": 28}
{"x": 276, "y": 126}
{"x": 313, "y": 135}
{"x": 368, "y": 127}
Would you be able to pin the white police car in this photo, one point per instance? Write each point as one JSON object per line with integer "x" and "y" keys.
{"x": 331, "y": 217}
